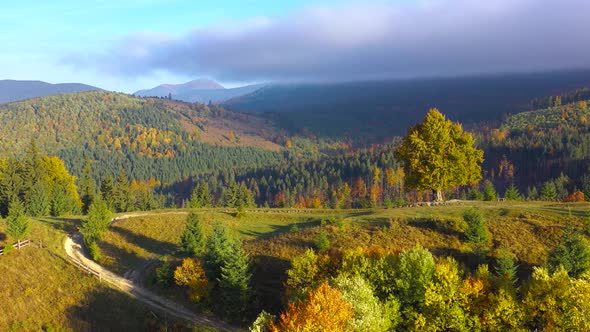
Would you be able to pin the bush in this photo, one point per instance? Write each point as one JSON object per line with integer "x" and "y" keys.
{"x": 191, "y": 274}
{"x": 576, "y": 196}
{"x": 94, "y": 251}
{"x": 8, "y": 249}
{"x": 322, "y": 243}
{"x": 572, "y": 253}
{"x": 476, "y": 226}
{"x": 164, "y": 274}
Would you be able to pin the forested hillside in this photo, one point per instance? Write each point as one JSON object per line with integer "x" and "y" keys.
{"x": 375, "y": 111}
{"x": 147, "y": 138}
{"x": 532, "y": 148}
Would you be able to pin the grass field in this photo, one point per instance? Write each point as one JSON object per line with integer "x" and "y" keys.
{"x": 41, "y": 291}
{"x": 528, "y": 229}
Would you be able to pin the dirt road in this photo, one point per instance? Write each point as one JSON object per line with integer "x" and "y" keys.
{"x": 74, "y": 249}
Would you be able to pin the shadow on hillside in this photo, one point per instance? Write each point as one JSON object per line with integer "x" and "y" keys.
{"x": 124, "y": 260}
{"x": 268, "y": 280}
{"x": 2, "y": 237}
{"x": 282, "y": 229}
{"x": 565, "y": 210}
{"x": 64, "y": 224}
{"x": 105, "y": 309}
{"x": 359, "y": 214}
{"x": 434, "y": 225}
{"x": 154, "y": 246}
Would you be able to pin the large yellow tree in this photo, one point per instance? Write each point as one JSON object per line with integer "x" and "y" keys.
{"x": 437, "y": 155}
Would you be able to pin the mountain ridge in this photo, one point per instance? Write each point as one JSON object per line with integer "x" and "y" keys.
{"x": 17, "y": 90}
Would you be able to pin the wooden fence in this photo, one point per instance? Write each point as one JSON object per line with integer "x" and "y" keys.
{"x": 87, "y": 269}
{"x": 18, "y": 245}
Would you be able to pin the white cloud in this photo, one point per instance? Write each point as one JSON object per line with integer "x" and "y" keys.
{"x": 423, "y": 38}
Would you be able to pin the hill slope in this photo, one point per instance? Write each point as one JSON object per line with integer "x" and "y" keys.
{"x": 146, "y": 137}
{"x": 12, "y": 90}
{"x": 378, "y": 110}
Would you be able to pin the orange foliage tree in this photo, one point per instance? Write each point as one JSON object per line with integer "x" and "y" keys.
{"x": 323, "y": 310}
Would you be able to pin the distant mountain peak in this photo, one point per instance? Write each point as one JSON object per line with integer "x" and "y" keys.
{"x": 164, "y": 90}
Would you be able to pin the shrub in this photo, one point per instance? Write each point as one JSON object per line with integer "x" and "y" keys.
{"x": 322, "y": 243}
{"x": 476, "y": 226}
{"x": 164, "y": 273}
{"x": 94, "y": 251}
{"x": 572, "y": 253}
{"x": 505, "y": 267}
{"x": 576, "y": 196}
{"x": 8, "y": 249}
{"x": 262, "y": 322}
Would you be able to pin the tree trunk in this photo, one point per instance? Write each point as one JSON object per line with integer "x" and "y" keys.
{"x": 439, "y": 195}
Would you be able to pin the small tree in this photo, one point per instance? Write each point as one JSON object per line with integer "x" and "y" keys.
{"x": 234, "y": 283}
{"x": 489, "y": 192}
{"x": 512, "y": 193}
{"x": 219, "y": 246}
{"x": 548, "y": 191}
{"x": 17, "y": 223}
{"x": 573, "y": 253}
{"x": 322, "y": 243}
{"x": 505, "y": 267}
{"x": 191, "y": 274}
{"x": 97, "y": 221}
{"x": 476, "y": 226}
{"x": 201, "y": 196}
{"x": 437, "y": 154}
{"x": 192, "y": 240}
{"x": 324, "y": 310}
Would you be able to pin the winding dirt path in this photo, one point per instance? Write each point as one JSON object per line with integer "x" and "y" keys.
{"x": 74, "y": 249}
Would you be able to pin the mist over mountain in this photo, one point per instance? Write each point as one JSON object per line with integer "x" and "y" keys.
{"x": 14, "y": 90}
{"x": 380, "y": 109}
{"x": 200, "y": 90}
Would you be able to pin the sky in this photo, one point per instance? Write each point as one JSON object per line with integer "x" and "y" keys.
{"x": 127, "y": 45}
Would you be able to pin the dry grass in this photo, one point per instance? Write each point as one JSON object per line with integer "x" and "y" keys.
{"x": 529, "y": 229}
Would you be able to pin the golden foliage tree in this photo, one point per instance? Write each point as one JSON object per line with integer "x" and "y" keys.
{"x": 437, "y": 154}
{"x": 190, "y": 273}
{"x": 324, "y": 310}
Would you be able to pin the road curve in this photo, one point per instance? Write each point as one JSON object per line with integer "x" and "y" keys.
{"x": 74, "y": 249}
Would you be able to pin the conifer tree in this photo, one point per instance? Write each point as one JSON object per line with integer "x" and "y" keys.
{"x": 548, "y": 191}
{"x": 87, "y": 186}
{"x": 572, "y": 253}
{"x": 234, "y": 282}
{"x": 97, "y": 221}
{"x": 192, "y": 240}
{"x": 39, "y": 201}
{"x": 512, "y": 193}
{"x": 437, "y": 154}
{"x": 476, "y": 226}
{"x": 121, "y": 193}
{"x": 201, "y": 196}
{"x": 107, "y": 191}
{"x": 219, "y": 246}
{"x": 489, "y": 192}
{"x": 17, "y": 223}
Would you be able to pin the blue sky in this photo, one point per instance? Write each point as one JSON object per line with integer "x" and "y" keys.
{"x": 127, "y": 45}
{"x": 36, "y": 34}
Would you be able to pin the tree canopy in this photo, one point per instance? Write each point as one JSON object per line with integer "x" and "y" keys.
{"x": 438, "y": 154}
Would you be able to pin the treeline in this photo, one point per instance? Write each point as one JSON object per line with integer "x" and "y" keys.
{"x": 41, "y": 183}
{"x": 372, "y": 289}
{"x": 562, "y": 99}
{"x": 533, "y": 147}
{"x": 366, "y": 178}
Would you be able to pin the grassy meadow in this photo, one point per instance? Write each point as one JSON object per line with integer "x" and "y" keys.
{"x": 43, "y": 292}
{"x": 273, "y": 237}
